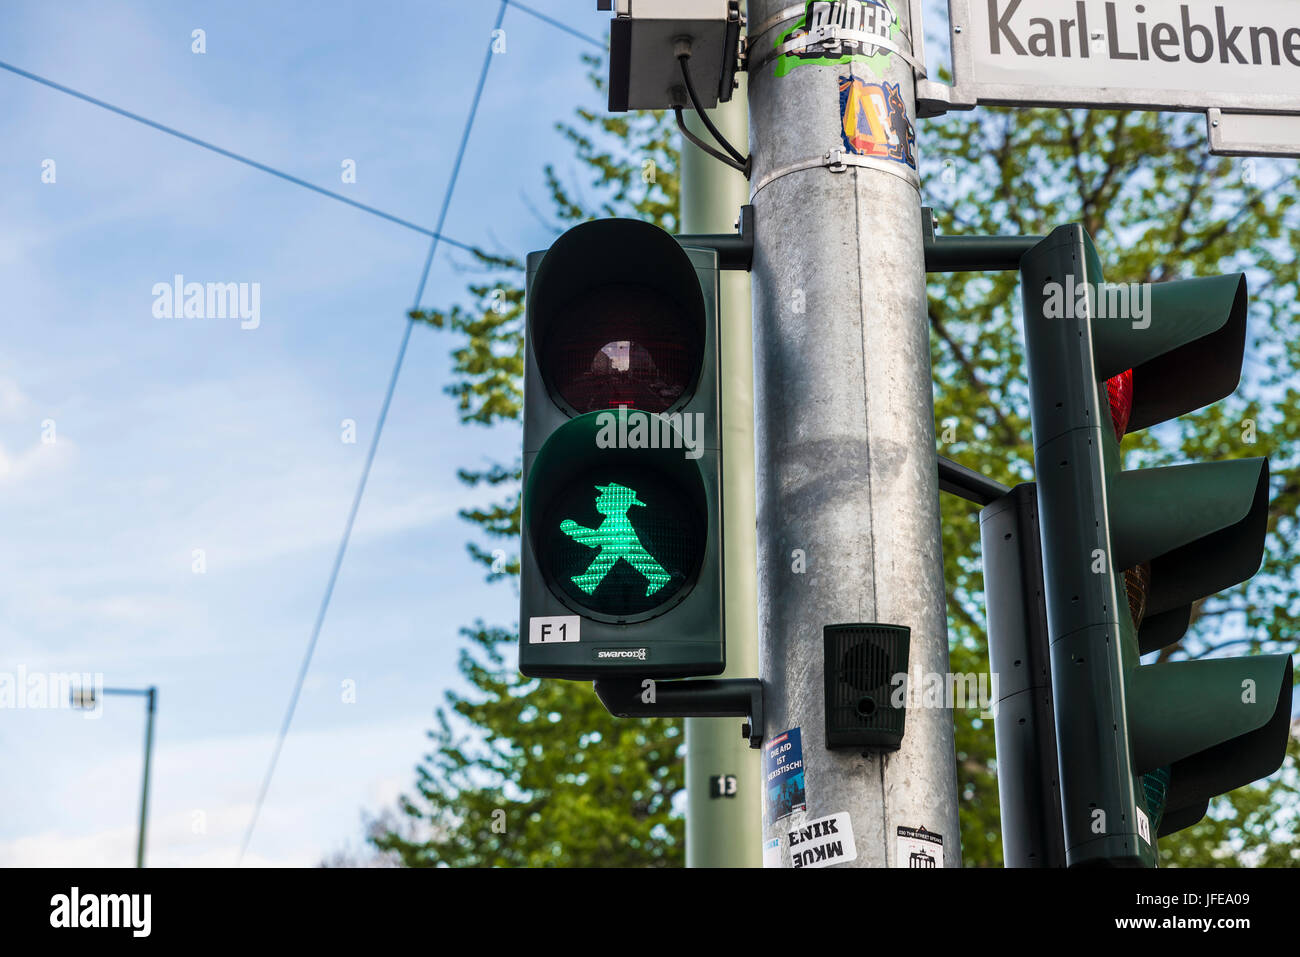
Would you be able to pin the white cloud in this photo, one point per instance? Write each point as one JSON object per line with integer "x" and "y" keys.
{"x": 14, "y": 402}
{"x": 175, "y": 435}
{"x": 38, "y": 462}
{"x": 202, "y": 799}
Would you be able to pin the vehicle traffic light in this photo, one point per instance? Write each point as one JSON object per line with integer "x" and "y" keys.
{"x": 1142, "y": 748}
{"x": 622, "y": 518}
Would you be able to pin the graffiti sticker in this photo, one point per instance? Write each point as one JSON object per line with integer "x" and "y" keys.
{"x": 875, "y": 122}
{"x": 875, "y": 17}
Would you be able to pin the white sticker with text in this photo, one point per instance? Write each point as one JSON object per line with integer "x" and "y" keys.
{"x": 556, "y": 629}
{"x": 1144, "y": 826}
{"x": 823, "y": 842}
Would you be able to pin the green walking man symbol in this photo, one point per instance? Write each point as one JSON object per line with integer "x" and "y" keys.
{"x": 616, "y": 538}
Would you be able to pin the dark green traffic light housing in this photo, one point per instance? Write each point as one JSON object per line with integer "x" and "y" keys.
{"x": 1142, "y": 748}
{"x": 622, "y": 514}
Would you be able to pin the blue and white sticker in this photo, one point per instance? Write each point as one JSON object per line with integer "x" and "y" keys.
{"x": 772, "y": 852}
{"x": 783, "y": 777}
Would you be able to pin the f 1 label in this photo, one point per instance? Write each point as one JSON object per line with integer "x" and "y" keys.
{"x": 557, "y": 629}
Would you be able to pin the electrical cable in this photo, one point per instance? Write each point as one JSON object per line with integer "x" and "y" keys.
{"x": 720, "y": 157}
{"x": 704, "y": 116}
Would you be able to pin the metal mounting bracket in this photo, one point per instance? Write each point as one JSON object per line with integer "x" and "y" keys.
{"x": 707, "y": 698}
{"x": 946, "y": 254}
{"x": 836, "y": 160}
{"x": 840, "y": 35}
{"x": 735, "y": 250}
{"x": 934, "y": 98}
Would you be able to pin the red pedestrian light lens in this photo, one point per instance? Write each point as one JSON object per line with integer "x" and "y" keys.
{"x": 622, "y": 345}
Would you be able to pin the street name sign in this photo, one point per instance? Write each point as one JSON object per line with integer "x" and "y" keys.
{"x": 1241, "y": 56}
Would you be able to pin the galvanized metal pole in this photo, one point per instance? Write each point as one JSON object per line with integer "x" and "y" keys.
{"x": 848, "y": 497}
{"x": 725, "y": 830}
{"x": 1029, "y": 784}
{"x": 151, "y": 703}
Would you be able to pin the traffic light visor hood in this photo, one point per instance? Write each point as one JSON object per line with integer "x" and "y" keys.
{"x": 1188, "y": 354}
{"x": 1202, "y": 526}
{"x": 617, "y": 318}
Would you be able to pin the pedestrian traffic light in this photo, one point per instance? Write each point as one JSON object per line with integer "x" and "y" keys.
{"x": 622, "y": 518}
{"x": 1126, "y": 554}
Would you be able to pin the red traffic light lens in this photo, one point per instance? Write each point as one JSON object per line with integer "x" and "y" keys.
{"x": 622, "y": 345}
{"x": 1120, "y": 389}
{"x": 1137, "y": 583}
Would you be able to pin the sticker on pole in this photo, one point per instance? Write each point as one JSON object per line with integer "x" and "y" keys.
{"x": 824, "y": 842}
{"x": 1144, "y": 826}
{"x": 918, "y": 847}
{"x": 556, "y": 629}
{"x": 840, "y": 31}
{"x": 783, "y": 778}
{"x": 772, "y": 852}
{"x": 873, "y": 121}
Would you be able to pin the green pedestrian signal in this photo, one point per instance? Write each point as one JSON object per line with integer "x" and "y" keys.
{"x": 621, "y": 562}
{"x": 615, "y": 540}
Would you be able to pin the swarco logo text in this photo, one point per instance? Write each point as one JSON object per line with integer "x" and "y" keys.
{"x": 645, "y": 430}
{"x": 1127, "y": 302}
{"x": 179, "y": 299}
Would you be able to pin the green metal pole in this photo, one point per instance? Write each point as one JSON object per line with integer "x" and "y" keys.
{"x": 726, "y": 831}
{"x": 144, "y": 791}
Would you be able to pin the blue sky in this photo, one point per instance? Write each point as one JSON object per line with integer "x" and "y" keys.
{"x": 178, "y": 434}
{"x": 172, "y": 435}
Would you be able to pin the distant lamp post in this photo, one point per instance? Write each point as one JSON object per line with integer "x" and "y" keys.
{"x": 86, "y": 699}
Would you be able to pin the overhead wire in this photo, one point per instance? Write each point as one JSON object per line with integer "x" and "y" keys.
{"x": 556, "y": 23}
{"x": 374, "y": 445}
{"x": 230, "y": 154}
{"x": 436, "y": 236}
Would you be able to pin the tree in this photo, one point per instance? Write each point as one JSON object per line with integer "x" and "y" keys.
{"x": 567, "y": 776}
{"x": 526, "y": 772}
{"x": 1161, "y": 208}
